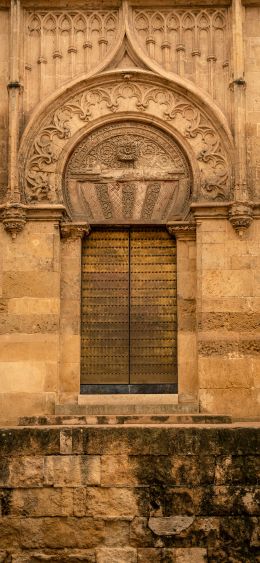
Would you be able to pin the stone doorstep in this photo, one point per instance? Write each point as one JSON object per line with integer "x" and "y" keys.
{"x": 138, "y": 420}
{"x": 94, "y": 407}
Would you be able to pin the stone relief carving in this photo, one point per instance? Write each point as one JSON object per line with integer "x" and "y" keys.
{"x": 127, "y": 171}
{"x": 127, "y": 95}
{"x": 192, "y": 43}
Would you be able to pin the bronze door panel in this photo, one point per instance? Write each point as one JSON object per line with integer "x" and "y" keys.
{"x": 152, "y": 306}
{"x": 105, "y": 308}
{"x": 129, "y": 307}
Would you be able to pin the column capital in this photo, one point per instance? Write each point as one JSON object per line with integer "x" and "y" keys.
{"x": 182, "y": 230}
{"x": 74, "y": 231}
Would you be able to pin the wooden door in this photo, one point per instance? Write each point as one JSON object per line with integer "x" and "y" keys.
{"x": 128, "y": 307}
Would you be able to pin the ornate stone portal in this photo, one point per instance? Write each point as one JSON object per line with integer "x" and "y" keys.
{"x": 128, "y": 172}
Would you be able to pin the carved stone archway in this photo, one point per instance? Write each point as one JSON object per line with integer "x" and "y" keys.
{"x": 50, "y": 139}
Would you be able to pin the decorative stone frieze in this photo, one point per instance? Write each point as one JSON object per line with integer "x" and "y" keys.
{"x": 14, "y": 219}
{"x": 74, "y": 231}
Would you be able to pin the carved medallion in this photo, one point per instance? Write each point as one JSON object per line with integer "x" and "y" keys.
{"x": 127, "y": 172}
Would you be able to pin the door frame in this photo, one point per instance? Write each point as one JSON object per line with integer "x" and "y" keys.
{"x": 129, "y": 387}
{"x": 186, "y": 249}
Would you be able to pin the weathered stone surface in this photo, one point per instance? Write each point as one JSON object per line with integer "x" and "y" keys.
{"x": 54, "y": 504}
{"x": 71, "y": 471}
{"x": 170, "y": 525}
{"x": 112, "y": 502}
{"x": 192, "y": 555}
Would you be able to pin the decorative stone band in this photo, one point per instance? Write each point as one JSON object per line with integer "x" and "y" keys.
{"x": 241, "y": 216}
{"x": 182, "y": 230}
{"x": 74, "y": 231}
{"x": 14, "y": 219}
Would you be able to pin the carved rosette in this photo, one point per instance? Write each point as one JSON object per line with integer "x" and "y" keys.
{"x": 14, "y": 219}
{"x": 74, "y": 231}
{"x": 241, "y": 216}
{"x": 182, "y": 230}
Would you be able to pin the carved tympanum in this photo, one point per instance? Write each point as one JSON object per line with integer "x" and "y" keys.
{"x": 128, "y": 172}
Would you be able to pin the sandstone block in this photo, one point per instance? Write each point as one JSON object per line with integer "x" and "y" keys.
{"x": 22, "y": 376}
{"x": 41, "y": 502}
{"x": 70, "y": 381}
{"x": 191, "y": 555}
{"x": 33, "y": 306}
{"x": 74, "y": 556}
{"x": 31, "y": 284}
{"x": 21, "y": 472}
{"x": 71, "y": 471}
{"x": 170, "y": 525}
{"x": 140, "y": 534}
{"x": 148, "y": 555}
{"x": 118, "y": 470}
{"x": 227, "y": 283}
{"x": 236, "y": 402}
{"x": 35, "y": 533}
{"x": 112, "y": 503}
{"x": 105, "y": 555}
{"x": 70, "y": 348}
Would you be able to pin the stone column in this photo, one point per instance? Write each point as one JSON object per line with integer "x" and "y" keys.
{"x": 14, "y": 216}
{"x": 69, "y": 381}
{"x": 185, "y": 234}
{"x": 241, "y": 211}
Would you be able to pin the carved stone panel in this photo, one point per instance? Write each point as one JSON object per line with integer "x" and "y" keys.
{"x": 128, "y": 172}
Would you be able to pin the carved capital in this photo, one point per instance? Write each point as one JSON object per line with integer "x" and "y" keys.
{"x": 74, "y": 231}
{"x": 182, "y": 230}
{"x": 241, "y": 216}
{"x": 14, "y": 219}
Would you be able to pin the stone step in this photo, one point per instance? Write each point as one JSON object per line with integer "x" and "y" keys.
{"x": 139, "y": 420}
{"x": 122, "y": 409}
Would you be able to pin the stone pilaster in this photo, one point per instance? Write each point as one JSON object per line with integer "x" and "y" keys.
{"x": 185, "y": 234}
{"x": 72, "y": 234}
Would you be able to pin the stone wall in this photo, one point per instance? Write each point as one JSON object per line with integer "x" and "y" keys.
{"x": 129, "y": 495}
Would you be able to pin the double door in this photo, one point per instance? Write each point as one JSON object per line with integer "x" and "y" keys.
{"x": 128, "y": 316}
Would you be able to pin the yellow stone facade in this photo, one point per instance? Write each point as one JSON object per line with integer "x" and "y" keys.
{"x": 190, "y": 73}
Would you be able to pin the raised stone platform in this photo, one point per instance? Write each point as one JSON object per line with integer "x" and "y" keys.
{"x": 127, "y": 494}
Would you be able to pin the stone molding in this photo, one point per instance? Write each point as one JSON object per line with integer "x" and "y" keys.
{"x": 74, "y": 231}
